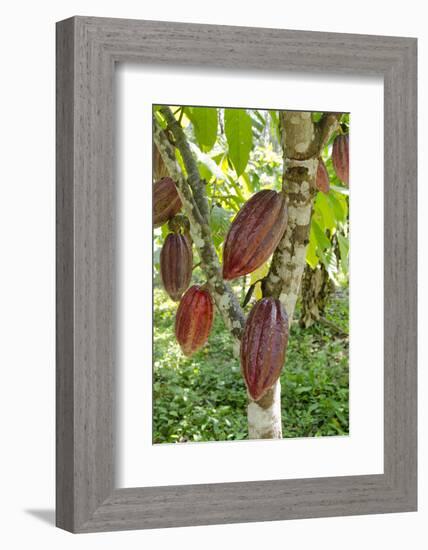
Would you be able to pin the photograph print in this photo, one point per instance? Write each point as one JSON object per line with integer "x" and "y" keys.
{"x": 250, "y": 274}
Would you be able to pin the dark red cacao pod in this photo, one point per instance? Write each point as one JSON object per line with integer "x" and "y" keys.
{"x": 166, "y": 202}
{"x": 176, "y": 261}
{"x": 263, "y": 346}
{"x": 254, "y": 233}
{"x": 322, "y": 181}
{"x": 194, "y": 319}
{"x": 340, "y": 157}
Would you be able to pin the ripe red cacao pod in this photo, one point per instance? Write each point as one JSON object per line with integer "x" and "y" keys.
{"x": 254, "y": 233}
{"x": 166, "y": 201}
{"x": 194, "y": 319}
{"x": 263, "y": 346}
{"x": 322, "y": 181}
{"x": 176, "y": 260}
{"x": 340, "y": 157}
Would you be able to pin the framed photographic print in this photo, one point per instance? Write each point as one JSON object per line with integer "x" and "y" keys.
{"x": 236, "y": 274}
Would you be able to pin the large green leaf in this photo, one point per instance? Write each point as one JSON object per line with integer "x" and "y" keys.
{"x": 338, "y": 205}
{"x": 311, "y": 252}
{"x": 326, "y": 211}
{"x": 204, "y": 120}
{"x": 344, "y": 251}
{"x": 329, "y": 260}
{"x": 321, "y": 240}
{"x": 239, "y": 135}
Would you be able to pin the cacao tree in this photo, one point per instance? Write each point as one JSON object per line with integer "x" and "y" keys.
{"x": 255, "y": 226}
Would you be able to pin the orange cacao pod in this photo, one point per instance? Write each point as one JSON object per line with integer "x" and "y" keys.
{"x": 263, "y": 346}
{"x": 176, "y": 261}
{"x": 322, "y": 181}
{"x": 166, "y": 202}
{"x": 340, "y": 157}
{"x": 254, "y": 233}
{"x": 194, "y": 319}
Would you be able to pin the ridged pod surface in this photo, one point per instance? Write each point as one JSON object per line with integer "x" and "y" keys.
{"x": 194, "y": 319}
{"x": 166, "y": 202}
{"x": 263, "y": 346}
{"x": 322, "y": 181}
{"x": 340, "y": 157}
{"x": 254, "y": 233}
{"x": 176, "y": 260}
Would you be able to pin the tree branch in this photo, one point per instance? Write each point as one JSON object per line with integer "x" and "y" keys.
{"x": 167, "y": 153}
{"x": 197, "y": 186}
{"x": 195, "y": 204}
{"x": 327, "y": 126}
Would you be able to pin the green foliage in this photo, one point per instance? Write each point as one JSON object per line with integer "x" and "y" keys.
{"x": 239, "y": 134}
{"x": 220, "y": 221}
{"x": 329, "y": 224}
{"x": 203, "y": 398}
{"x": 199, "y": 398}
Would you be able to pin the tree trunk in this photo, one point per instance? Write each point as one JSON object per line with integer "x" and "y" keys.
{"x": 264, "y": 416}
{"x": 316, "y": 289}
{"x": 302, "y": 140}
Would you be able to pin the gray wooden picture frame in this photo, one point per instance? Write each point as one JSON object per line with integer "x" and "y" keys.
{"x": 87, "y": 51}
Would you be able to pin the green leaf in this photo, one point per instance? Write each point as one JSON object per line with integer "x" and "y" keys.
{"x": 344, "y": 251}
{"x": 321, "y": 240}
{"x": 316, "y": 117}
{"x": 204, "y": 120}
{"x": 341, "y": 190}
{"x": 311, "y": 252}
{"x": 239, "y": 135}
{"x": 338, "y": 205}
{"x": 220, "y": 222}
{"x": 164, "y": 230}
{"x": 208, "y": 163}
{"x": 324, "y": 207}
{"x": 204, "y": 172}
{"x": 329, "y": 260}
